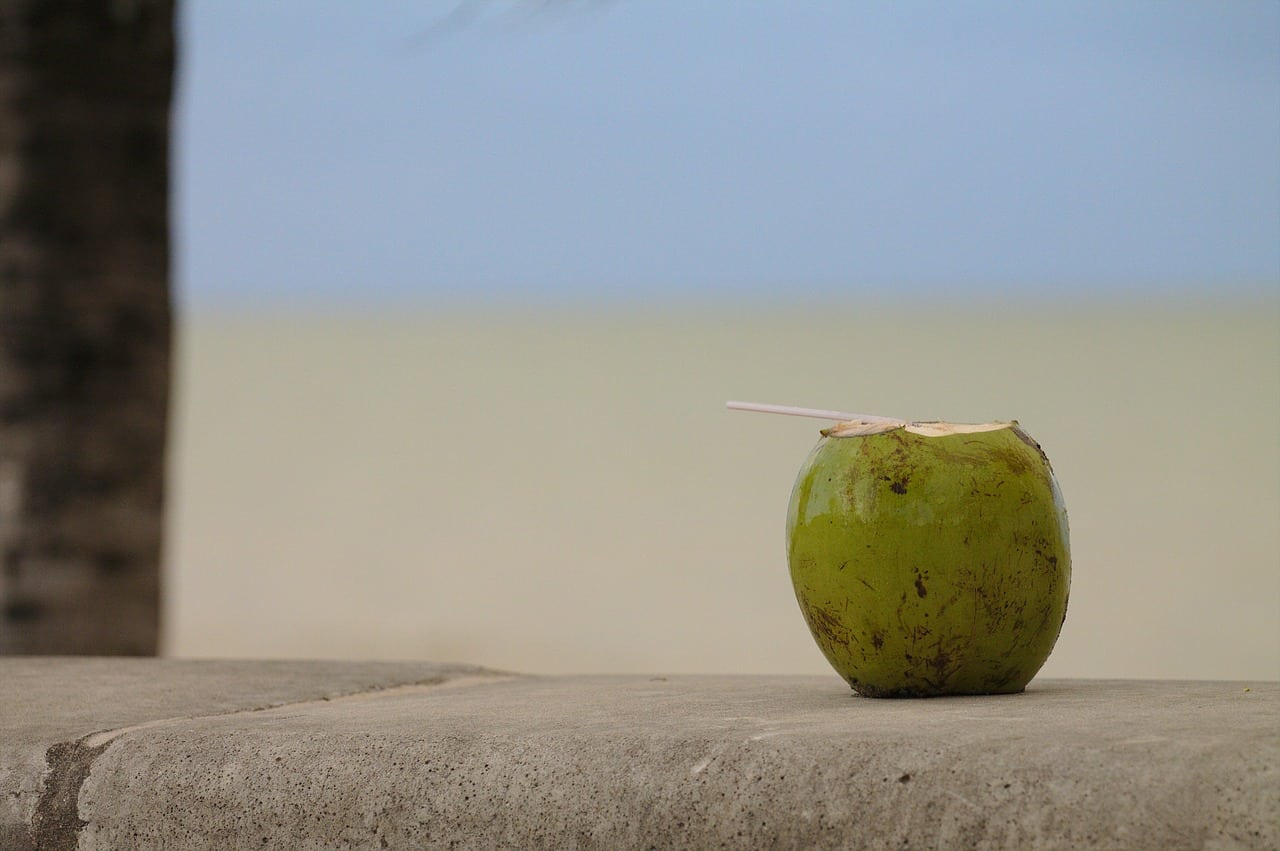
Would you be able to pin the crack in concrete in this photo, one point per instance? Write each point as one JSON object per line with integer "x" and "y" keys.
{"x": 56, "y": 822}
{"x": 105, "y": 737}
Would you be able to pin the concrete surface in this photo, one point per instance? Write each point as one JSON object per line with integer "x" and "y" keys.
{"x": 103, "y": 754}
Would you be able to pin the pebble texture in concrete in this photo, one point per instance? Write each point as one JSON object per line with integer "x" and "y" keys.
{"x": 473, "y": 759}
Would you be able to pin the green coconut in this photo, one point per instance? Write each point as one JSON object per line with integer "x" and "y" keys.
{"x": 930, "y": 558}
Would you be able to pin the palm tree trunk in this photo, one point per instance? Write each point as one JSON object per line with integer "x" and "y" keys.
{"x": 85, "y": 91}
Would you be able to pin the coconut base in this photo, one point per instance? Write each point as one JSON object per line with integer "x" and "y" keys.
{"x": 865, "y": 690}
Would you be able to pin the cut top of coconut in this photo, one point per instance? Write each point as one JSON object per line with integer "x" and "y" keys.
{"x": 860, "y": 425}
{"x": 862, "y": 428}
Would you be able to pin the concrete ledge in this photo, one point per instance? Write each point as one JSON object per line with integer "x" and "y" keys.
{"x": 161, "y": 754}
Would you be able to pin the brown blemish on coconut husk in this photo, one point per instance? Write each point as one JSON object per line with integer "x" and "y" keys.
{"x": 826, "y": 626}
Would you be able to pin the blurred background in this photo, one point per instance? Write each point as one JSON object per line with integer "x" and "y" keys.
{"x": 464, "y": 287}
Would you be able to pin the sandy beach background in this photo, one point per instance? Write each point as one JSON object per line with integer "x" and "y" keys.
{"x": 557, "y": 491}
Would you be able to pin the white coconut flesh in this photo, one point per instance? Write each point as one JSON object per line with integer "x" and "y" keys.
{"x": 862, "y": 428}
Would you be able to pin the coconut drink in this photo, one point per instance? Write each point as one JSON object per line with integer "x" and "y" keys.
{"x": 929, "y": 558}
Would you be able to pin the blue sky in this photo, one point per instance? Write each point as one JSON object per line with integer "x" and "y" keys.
{"x": 632, "y": 150}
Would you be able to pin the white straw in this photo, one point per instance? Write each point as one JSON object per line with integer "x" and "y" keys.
{"x": 818, "y": 414}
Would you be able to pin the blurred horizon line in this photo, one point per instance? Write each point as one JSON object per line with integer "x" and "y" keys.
{"x": 1262, "y": 296}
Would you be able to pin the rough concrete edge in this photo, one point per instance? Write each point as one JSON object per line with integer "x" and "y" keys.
{"x": 56, "y": 823}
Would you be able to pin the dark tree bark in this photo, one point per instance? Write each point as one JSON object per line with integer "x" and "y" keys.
{"x": 85, "y": 91}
